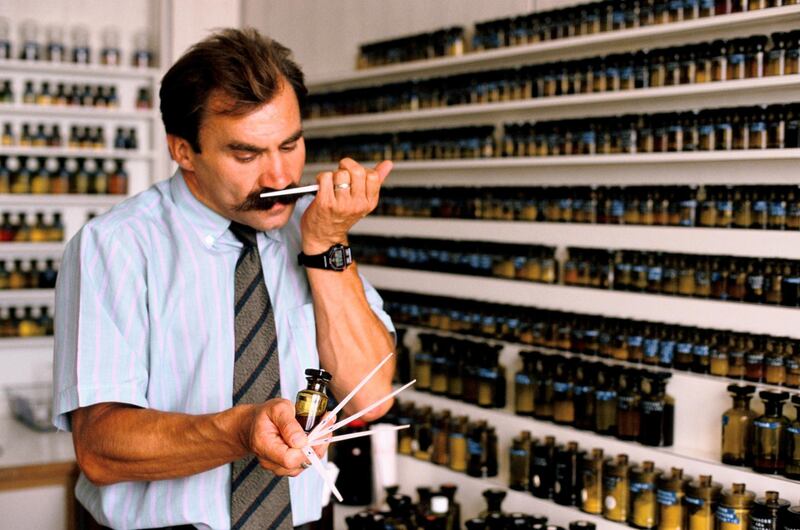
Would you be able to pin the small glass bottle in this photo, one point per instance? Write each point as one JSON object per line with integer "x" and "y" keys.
{"x": 422, "y": 363}
{"x": 563, "y": 406}
{"x": 616, "y": 489}
{"x": 583, "y": 396}
{"x": 702, "y": 497}
{"x": 457, "y": 444}
{"x": 643, "y": 513}
{"x": 737, "y": 426}
{"x": 768, "y": 512}
{"x": 567, "y": 486}
{"x": 543, "y": 468}
{"x": 792, "y": 469}
{"x": 312, "y": 402}
{"x": 523, "y": 386}
{"x": 670, "y": 491}
{"x": 591, "y": 499}
{"x": 769, "y": 435}
{"x": 628, "y": 411}
{"x": 734, "y": 508}
{"x": 606, "y": 401}
{"x": 520, "y": 462}
{"x": 657, "y": 411}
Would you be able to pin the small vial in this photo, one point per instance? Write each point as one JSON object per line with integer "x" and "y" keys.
{"x": 312, "y": 402}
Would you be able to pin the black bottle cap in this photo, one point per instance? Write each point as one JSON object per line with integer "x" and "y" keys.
{"x": 319, "y": 374}
{"x": 741, "y": 390}
{"x": 494, "y": 498}
{"x": 476, "y": 524}
{"x": 582, "y": 525}
{"x": 796, "y": 399}
{"x": 768, "y": 395}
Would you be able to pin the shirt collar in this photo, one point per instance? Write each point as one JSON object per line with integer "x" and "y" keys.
{"x": 208, "y": 224}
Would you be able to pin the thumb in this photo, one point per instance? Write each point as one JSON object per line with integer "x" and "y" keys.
{"x": 383, "y": 169}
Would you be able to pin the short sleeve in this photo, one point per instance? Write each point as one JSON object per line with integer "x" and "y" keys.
{"x": 101, "y": 323}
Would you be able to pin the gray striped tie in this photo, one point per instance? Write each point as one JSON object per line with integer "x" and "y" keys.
{"x": 259, "y": 499}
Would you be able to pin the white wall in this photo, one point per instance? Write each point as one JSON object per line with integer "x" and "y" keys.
{"x": 325, "y": 34}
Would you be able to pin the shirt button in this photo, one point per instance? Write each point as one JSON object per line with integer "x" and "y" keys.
{"x": 209, "y": 240}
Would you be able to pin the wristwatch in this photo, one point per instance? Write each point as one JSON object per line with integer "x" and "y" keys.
{"x": 336, "y": 258}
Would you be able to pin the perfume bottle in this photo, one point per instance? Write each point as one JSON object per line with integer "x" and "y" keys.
{"x": 768, "y": 434}
{"x": 312, "y": 402}
{"x": 737, "y": 426}
{"x": 792, "y": 470}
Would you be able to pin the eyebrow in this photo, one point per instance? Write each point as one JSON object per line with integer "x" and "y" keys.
{"x": 250, "y": 148}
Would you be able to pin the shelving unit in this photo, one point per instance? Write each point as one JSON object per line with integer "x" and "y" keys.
{"x": 27, "y": 297}
{"x": 700, "y": 399}
{"x": 713, "y": 241}
{"x": 46, "y": 152}
{"x": 30, "y": 250}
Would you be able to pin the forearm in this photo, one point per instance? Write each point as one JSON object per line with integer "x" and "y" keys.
{"x": 351, "y": 339}
{"x": 118, "y": 443}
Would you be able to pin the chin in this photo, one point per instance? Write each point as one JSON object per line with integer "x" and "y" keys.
{"x": 275, "y": 217}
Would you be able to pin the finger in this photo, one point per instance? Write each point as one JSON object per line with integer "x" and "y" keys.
{"x": 356, "y": 170}
{"x": 321, "y": 450}
{"x": 341, "y": 177}
{"x": 373, "y": 186}
{"x": 279, "y": 470}
{"x": 383, "y": 169}
{"x": 325, "y": 193}
{"x": 358, "y": 180}
{"x": 282, "y": 413}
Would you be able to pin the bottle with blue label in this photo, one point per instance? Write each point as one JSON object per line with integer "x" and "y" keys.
{"x": 700, "y": 503}
{"x": 643, "y": 513}
{"x": 583, "y": 395}
{"x": 606, "y": 401}
{"x": 792, "y": 470}
{"x": 629, "y": 415}
{"x": 591, "y": 499}
{"x": 770, "y": 434}
{"x": 520, "y": 461}
{"x": 768, "y": 512}
{"x": 737, "y": 427}
{"x": 616, "y": 489}
{"x": 657, "y": 423}
{"x": 563, "y": 406}
{"x": 543, "y": 468}
{"x": 733, "y": 512}
{"x": 523, "y": 385}
{"x": 567, "y": 485}
{"x": 670, "y": 491}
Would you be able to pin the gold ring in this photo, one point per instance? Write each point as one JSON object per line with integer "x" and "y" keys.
{"x": 342, "y": 186}
{"x": 305, "y": 465}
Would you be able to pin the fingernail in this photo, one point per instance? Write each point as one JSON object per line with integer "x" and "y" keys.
{"x": 298, "y": 440}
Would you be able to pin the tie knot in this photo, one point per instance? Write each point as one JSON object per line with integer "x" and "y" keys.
{"x": 244, "y": 233}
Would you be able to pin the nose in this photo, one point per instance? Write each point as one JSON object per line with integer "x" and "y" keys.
{"x": 274, "y": 172}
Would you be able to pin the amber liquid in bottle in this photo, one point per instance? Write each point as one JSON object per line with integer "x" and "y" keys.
{"x": 737, "y": 426}
{"x": 669, "y": 496}
{"x": 701, "y": 501}
{"x": 792, "y": 470}
{"x": 734, "y": 509}
{"x": 616, "y": 490}
{"x": 768, "y": 433}
{"x": 312, "y": 402}
{"x": 643, "y": 513}
{"x": 592, "y": 478}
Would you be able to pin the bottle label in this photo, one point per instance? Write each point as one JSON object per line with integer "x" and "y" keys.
{"x": 725, "y": 420}
{"x": 519, "y": 452}
{"x": 539, "y": 461}
{"x": 649, "y": 406}
{"x": 771, "y": 425}
{"x": 474, "y": 447}
{"x": 580, "y": 390}
{"x": 605, "y": 395}
{"x": 684, "y": 348}
{"x": 654, "y": 274}
{"x": 635, "y": 341}
{"x": 727, "y": 515}
{"x": 666, "y": 351}
{"x": 701, "y": 350}
{"x": 626, "y": 402}
{"x": 561, "y": 387}
{"x": 774, "y": 361}
{"x": 667, "y": 498}
{"x": 486, "y": 373}
{"x": 694, "y": 500}
{"x": 522, "y": 379}
{"x": 794, "y": 429}
{"x": 650, "y": 347}
{"x": 638, "y": 487}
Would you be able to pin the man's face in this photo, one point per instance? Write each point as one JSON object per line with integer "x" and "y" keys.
{"x": 243, "y": 156}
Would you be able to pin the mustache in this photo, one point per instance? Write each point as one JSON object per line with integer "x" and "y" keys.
{"x": 255, "y": 202}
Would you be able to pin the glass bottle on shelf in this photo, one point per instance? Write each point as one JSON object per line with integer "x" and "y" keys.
{"x": 591, "y": 498}
{"x": 5, "y": 39}
{"x": 644, "y": 509}
{"x": 543, "y": 468}
{"x": 769, "y": 434}
{"x": 768, "y": 512}
{"x": 616, "y": 489}
{"x": 29, "y": 35}
{"x": 737, "y": 426}
{"x": 56, "y": 51}
{"x": 702, "y": 497}
{"x": 566, "y": 487}
{"x": 792, "y": 470}
{"x": 670, "y": 492}
{"x": 734, "y": 508}
{"x": 81, "y": 54}
{"x": 523, "y": 386}
{"x": 520, "y": 462}
{"x": 110, "y": 53}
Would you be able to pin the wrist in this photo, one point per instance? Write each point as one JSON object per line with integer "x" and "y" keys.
{"x": 244, "y": 417}
{"x": 313, "y": 246}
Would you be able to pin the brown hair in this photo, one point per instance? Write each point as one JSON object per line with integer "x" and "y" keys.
{"x": 242, "y": 64}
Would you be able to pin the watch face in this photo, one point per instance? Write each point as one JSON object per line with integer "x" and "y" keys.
{"x": 337, "y": 258}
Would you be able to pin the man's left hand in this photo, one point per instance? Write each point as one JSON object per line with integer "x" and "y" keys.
{"x": 345, "y": 196}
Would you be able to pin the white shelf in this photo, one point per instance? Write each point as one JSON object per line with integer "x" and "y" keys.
{"x": 124, "y": 154}
{"x": 26, "y": 343}
{"x": 703, "y": 29}
{"x": 22, "y": 201}
{"x": 19, "y": 250}
{"x": 98, "y": 71}
{"x": 92, "y": 113}
{"x": 720, "y": 241}
{"x": 416, "y": 473}
{"x": 25, "y": 297}
{"x": 509, "y": 425}
{"x": 727, "y": 93}
{"x": 715, "y": 314}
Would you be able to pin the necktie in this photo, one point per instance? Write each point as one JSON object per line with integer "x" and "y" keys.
{"x": 259, "y": 498}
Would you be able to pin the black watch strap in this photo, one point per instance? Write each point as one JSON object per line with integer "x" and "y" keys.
{"x": 337, "y": 258}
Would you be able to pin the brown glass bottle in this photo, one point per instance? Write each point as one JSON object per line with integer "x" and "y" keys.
{"x": 737, "y": 427}
{"x": 563, "y": 406}
{"x": 312, "y": 402}
{"x": 628, "y": 411}
{"x": 523, "y": 386}
{"x": 769, "y": 434}
{"x": 702, "y": 497}
{"x": 543, "y": 468}
{"x": 768, "y": 512}
{"x": 616, "y": 489}
{"x": 441, "y": 438}
{"x": 520, "y": 462}
{"x": 566, "y": 487}
{"x": 792, "y": 469}
{"x": 670, "y": 491}
{"x": 606, "y": 401}
{"x": 734, "y": 508}
{"x": 657, "y": 411}
{"x": 644, "y": 510}
{"x": 592, "y": 482}
{"x": 458, "y": 451}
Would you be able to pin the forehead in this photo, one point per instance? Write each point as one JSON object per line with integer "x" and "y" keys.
{"x": 274, "y": 120}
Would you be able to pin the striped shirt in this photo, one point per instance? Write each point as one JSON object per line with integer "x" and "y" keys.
{"x": 144, "y": 316}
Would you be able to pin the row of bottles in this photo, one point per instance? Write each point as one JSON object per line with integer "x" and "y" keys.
{"x": 451, "y": 441}
{"x": 80, "y": 136}
{"x": 755, "y": 207}
{"x": 447, "y": 42}
{"x": 40, "y": 175}
{"x": 534, "y": 263}
{"x": 722, "y": 129}
{"x": 22, "y": 231}
{"x": 494, "y": 517}
{"x": 770, "y": 442}
{"x": 640, "y": 495}
{"x": 50, "y": 45}
{"x": 597, "y": 17}
{"x": 733, "y": 279}
{"x": 460, "y": 369}
{"x": 718, "y": 61}
{"x": 628, "y": 403}
{"x": 755, "y": 358}
{"x": 76, "y": 95}
{"x": 22, "y": 322}
{"x": 434, "y": 510}
{"x": 28, "y": 274}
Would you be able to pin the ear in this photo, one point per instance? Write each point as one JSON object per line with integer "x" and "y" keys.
{"x": 181, "y": 152}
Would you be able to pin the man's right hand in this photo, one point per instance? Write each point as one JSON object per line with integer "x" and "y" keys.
{"x": 276, "y": 438}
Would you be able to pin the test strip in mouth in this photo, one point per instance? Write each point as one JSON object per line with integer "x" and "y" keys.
{"x": 291, "y": 191}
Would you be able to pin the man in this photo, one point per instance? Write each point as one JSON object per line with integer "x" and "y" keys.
{"x": 170, "y": 309}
